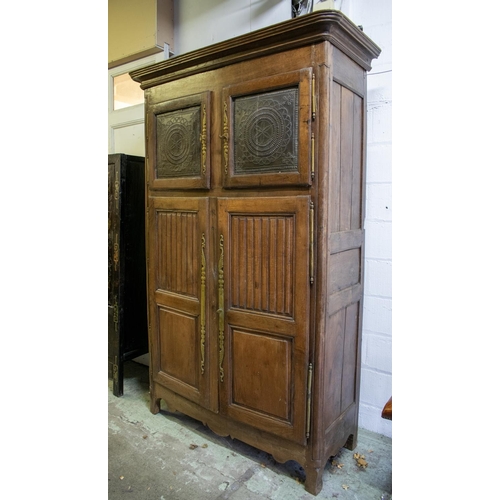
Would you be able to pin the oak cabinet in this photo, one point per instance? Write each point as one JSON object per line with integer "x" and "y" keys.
{"x": 255, "y": 206}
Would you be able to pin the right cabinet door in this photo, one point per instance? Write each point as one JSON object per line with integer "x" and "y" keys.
{"x": 267, "y": 131}
{"x": 263, "y": 293}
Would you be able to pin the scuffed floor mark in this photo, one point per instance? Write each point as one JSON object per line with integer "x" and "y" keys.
{"x": 237, "y": 484}
{"x": 223, "y": 486}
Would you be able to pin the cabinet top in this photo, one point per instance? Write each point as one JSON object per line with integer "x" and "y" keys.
{"x": 323, "y": 25}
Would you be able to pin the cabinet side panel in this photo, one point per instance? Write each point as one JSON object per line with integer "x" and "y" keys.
{"x": 344, "y": 263}
{"x": 334, "y": 173}
{"x": 351, "y": 336}
{"x": 351, "y": 130}
{"x": 334, "y": 351}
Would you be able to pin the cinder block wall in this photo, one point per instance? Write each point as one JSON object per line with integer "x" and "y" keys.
{"x": 376, "y": 370}
{"x": 198, "y": 24}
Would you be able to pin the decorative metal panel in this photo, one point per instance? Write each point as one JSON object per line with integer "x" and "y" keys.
{"x": 266, "y": 132}
{"x": 178, "y": 152}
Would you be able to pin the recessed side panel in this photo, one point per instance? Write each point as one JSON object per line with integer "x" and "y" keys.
{"x": 345, "y": 269}
{"x": 341, "y": 361}
{"x": 350, "y": 360}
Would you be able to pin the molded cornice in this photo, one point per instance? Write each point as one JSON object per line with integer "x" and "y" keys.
{"x": 331, "y": 26}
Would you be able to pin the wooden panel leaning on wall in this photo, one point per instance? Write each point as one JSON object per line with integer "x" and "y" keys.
{"x": 255, "y": 197}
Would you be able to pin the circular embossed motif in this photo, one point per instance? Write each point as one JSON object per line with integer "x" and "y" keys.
{"x": 265, "y": 132}
{"x": 177, "y": 141}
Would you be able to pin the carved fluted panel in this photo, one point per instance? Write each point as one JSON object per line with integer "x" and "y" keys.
{"x": 262, "y": 263}
{"x": 178, "y": 242}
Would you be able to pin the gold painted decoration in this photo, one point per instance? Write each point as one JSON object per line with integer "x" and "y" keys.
{"x": 220, "y": 311}
{"x": 203, "y": 138}
{"x": 225, "y": 137}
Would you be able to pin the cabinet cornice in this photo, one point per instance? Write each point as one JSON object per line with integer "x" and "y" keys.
{"x": 331, "y": 26}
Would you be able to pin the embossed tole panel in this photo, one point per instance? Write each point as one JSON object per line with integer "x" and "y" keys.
{"x": 266, "y": 132}
{"x": 178, "y": 147}
{"x": 179, "y": 158}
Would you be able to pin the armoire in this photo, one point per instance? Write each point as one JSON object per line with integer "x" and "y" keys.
{"x": 255, "y": 175}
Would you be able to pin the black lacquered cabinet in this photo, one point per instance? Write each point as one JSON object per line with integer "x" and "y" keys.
{"x": 127, "y": 313}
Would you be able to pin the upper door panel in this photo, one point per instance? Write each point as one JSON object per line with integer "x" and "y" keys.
{"x": 179, "y": 155}
{"x": 267, "y": 131}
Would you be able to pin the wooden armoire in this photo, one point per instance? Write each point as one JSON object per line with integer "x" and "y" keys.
{"x": 255, "y": 204}
{"x": 127, "y": 302}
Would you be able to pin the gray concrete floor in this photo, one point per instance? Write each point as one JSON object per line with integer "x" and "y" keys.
{"x": 172, "y": 456}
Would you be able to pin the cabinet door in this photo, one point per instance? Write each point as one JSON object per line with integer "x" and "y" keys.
{"x": 264, "y": 312}
{"x": 178, "y": 250}
{"x": 178, "y": 153}
{"x": 267, "y": 131}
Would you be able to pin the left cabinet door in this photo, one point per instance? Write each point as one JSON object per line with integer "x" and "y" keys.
{"x": 179, "y": 152}
{"x": 178, "y": 252}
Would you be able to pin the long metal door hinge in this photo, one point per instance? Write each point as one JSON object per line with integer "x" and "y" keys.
{"x": 309, "y": 400}
{"x": 312, "y": 157}
{"x": 311, "y": 242}
{"x": 313, "y": 117}
{"x": 313, "y": 104}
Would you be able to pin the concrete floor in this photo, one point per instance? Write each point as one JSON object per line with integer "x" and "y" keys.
{"x": 172, "y": 456}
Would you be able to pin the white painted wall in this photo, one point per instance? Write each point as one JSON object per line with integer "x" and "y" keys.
{"x": 198, "y": 24}
{"x": 376, "y": 368}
